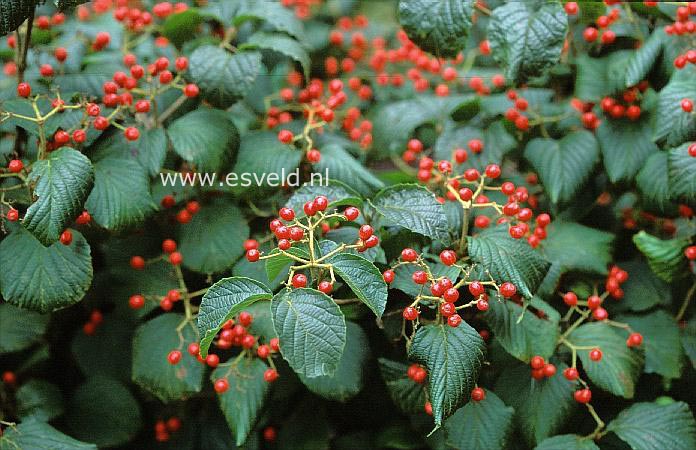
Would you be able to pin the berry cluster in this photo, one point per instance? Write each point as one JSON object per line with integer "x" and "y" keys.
{"x": 626, "y": 105}
{"x": 607, "y": 36}
{"x": 163, "y": 428}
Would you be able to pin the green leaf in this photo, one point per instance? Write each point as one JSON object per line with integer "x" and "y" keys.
{"x": 527, "y": 37}
{"x": 222, "y": 77}
{"x": 665, "y": 257}
{"x": 347, "y": 382}
{"x": 497, "y": 140}
{"x": 563, "y": 165}
{"x": 181, "y": 27}
{"x": 661, "y": 340}
{"x": 440, "y": 27}
{"x": 112, "y": 426}
{"x": 482, "y": 425}
{"x": 40, "y": 400}
{"x": 408, "y": 395}
{"x": 274, "y": 14}
{"x": 42, "y": 278}
{"x": 453, "y": 358}
{"x": 567, "y": 442}
{"x": 520, "y": 331}
{"x": 412, "y": 207}
{"x": 591, "y": 248}
{"x": 620, "y": 366}
{"x": 337, "y": 164}
{"x": 94, "y": 354}
{"x": 35, "y": 435}
{"x": 338, "y": 193}
{"x": 682, "y": 173}
{"x": 264, "y": 163}
{"x": 282, "y": 44}
{"x": 626, "y": 145}
{"x": 245, "y": 397}
{"x": 205, "y": 137}
{"x": 653, "y": 183}
{"x": 364, "y": 279}
{"x": 152, "y": 343}
{"x": 649, "y": 426}
{"x": 642, "y": 60}
{"x": 312, "y": 331}
{"x": 149, "y": 150}
{"x": 224, "y": 300}
{"x": 688, "y": 339}
{"x": 509, "y": 259}
{"x": 280, "y": 264}
{"x": 599, "y": 77}
{"x": 212, "y": 241}
{"x": 542, "y": 407}
{"x": 673, "y": 125}
{"x": 121, "y": 196}
{"x": 63, "y": 182}
{"x": 14, "y": 12}
{"x": 643, "y": 289}
{"x": 20, "y": 328}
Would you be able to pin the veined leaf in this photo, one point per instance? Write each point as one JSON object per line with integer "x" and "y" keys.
{"x": 338, "y": 193}
{"x": 41, "y": 436}
{"x": 412, "y": 207}
{"x": 567, "y": 442}
{"x": 642, "y": 60}
{"x": 592, "y": 248}
{"x": 653, "y": 183}
{"x": 282, "y": 44}
{"x": 673, "y": 125}
{"x": 224, "y": 300}
{"x": 682, "y": 173}
{"x": 453, "y": 358}
{"x": 626, "y": 145}
{"x": 408, "y": 395}
{"x": 336, "y": 163}
{"x": 481, "y": 425}
{"x": 649, "y": 426}
{"x": 364, "y": 279}
{"x": 20, "y": 328}
{"x": 665, "y": 257}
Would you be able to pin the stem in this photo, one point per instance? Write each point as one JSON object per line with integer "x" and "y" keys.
{"x": 21, "y": 62}
{"x": 170, "y": 110}
{"x": 465, "y": 231}
{"x": 685, "y": 303}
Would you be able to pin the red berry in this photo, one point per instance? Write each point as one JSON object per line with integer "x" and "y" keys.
{"x": 482, "y": 305}
{"x": 571, "y": 374}
{"x": 420, "y": 277}
{"x": 15, "y": 166}
{"x": 410, "y": 313}
{"x": 583, "y": 396}
{"x": 212, "y": 360}
{"x": 365, "y": 232}
{"x": 287, "y": 214}
{"x": 351, "y": 213}
{"x": 571, "y": 8}
{"x": 478, "y": 394}
{"x": 263, "y": 351}
{"x": 12, "y": 215}
{"x": 325, "y": 286}
{"x": 285, "y": 136}
{"x": 687, "y": 105}
{"x": 174, "y": 357}
{"x": 24, "y": 90}
{"x": 409, "y": 255}
{"x": 245, "y": 318}
{"x": 191, "y": 90}
{"x": 314, "y": 156}
{"x": 193, "y": 349}
{"x": 476, "y": 288}
{"x": 448, "y": 257}
{"x": 594, "y": 301}
{"x": 492, "y": 171}
{"x": 221, "y": 385}
{"x": 447, "y": 309}
{"x": 537, "y": 362}
{"x": 634, "y": 340}
{"x": 270, "y": 375}
{"x": 454, "y": 320}
{"x": 507, "y": 289}
{"x": 176, "y": 258}
{"x": 132, "y": 133}
{"x": 690, "y": 252}
{"x": 388, "y": 276}
{"x": 253, "y": 255}
{"x": 61, "y": 54}
{"x": 9, "y": 378}
{"x": 66, "y": 237}
{"x": 299, "y": 280}
{"x": 590, "y": 34}
{"x": 595, "y": 354}
{"x": 570, "y": 299}
{"x": 600, "y": 314}
{"x": 549, "y": 370}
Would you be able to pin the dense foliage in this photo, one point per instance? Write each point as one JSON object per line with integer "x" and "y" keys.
{"x": 502, "y": 255}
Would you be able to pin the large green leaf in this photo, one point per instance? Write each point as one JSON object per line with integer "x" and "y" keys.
{"x": 620, "y": 366}
{"x": 14, "y": 12}
{"x": 591, "y": 248}
{"x": 121, "y": 196}
{"x": 111, "y": 426}
{"x": 264, "y": 163}
{"x": 661, "y": 340}
{"x": 181, "y": 27}
{"x": 527, "y": 37}
{"x": 94, "y": 354}
{"x": 440, "y": 27}
{"x": 665, "y": 257}
{"x": 273, "y": 13}
{"x": 224, "y": 300}
{"x": 337, "y": 164}
{"x": 542, "y": 407}
{"x": 453, "y": 358}
{"x": 498, "y": 143}
{"x": 20, "y": 328}
{"x": 643, "y": 289}
{"x": 42, "y": 278}
{"x": 563, "y": 165}
{"x": 482, "y": 425}
{"x": 63, "y": 182}
{"x": 363, "y": 278}
{"x": 283, "y": 44}
{"x": 673, "y": 125}
{"x": 412, "y": 207}
{"x": 39, "y": 399}
{"x": 509, "y": 259}
{"x": 626, "y": 145}
{"x": 149, "y": 150}
{"x": 347, "y": 382}
{"x": 36, "y": 435}
{"x": 520, "y": 331}
{"x": 649, "y": 426}
{"x": 312, "y": 331}
{"x": 682, "y": 173}
{"x": 567, "y": 442}
{"x": 205, "y": 137}
{"x": 643, "y": 59}
{"x": 245, "y": 397}
{"x": 151, "y": 370}
{"x": 222, "y": 77}
{"x": 408, "y": 395}
{"x": 212, "y": 241}
{"x": 653, "y": 183}
{"x": 688, "y": 340}
{"x": 599, "y": 77}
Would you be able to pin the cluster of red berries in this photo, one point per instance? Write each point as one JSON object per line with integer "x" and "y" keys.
{"x": 302, "y": 8}
{"x": 632, "y": 218}
{"x": 625, "y": 106}
{"x": 163, "y": 428}
{"x": 590, "y": 34}
{"x": 515, "y": 113}
{"x": 683, "y": 25}
{"x": 417, "y": 373}
{"x": 95, "y": 319}
{"x": 540, "y": 368}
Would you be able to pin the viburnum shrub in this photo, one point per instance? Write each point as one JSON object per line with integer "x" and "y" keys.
{"x": 347, "y": 224}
